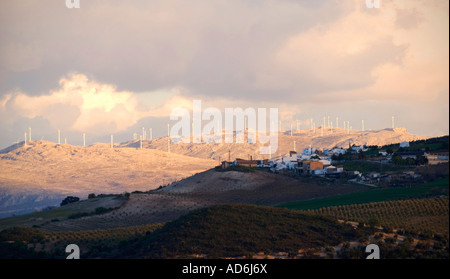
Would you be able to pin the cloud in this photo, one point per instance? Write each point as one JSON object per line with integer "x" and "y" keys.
{"x": 151, "y": 56}
{"x": 19, "y": 57}
{"x": 79, "y": 104}
{"x": 408, "y": 18}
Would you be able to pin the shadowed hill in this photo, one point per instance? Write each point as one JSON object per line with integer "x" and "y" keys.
{"x": 239, "y": 230}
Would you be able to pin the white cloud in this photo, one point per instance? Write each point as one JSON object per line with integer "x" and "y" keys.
{"x": 79, "y": 104}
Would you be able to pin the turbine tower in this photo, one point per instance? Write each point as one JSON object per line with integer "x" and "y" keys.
{"x": 393, "y": 126}
{"x": 168, "y": 138}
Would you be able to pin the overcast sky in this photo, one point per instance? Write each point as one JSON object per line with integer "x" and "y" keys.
{"x": 114, "y": 66}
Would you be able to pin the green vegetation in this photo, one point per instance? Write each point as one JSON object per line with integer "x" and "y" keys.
{"x": 415, "y": 215}
{"x": 97, "y": 211}
{"x": 245, "y": 230}
{"x": 241, "y": 230}
{"x": 69, "y": 199}
{"x": 30, "y": 243}
{"x": 237, "y": 168}
{"x": 432, "y": 144}
{"x": 62, "y": 213}
{"x": 370, "y": 166}
{"x": 22, "y": 234}
{"x": 437, "y": 187}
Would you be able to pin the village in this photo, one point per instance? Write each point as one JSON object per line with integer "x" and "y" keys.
{"x": 387, "y": 168}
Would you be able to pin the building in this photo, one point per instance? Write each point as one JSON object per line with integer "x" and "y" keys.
{"x": 331, "y": 169}
{"x": 293, "y": 156}
{"x": 246, "y": 163}
{"x": 308, "y": 166}
{"x": 225, "y": 164}
{"x": 263, "y": 163}
{"x": 437, "y": 157}
{"x": 334, "y": 151}
{"x": 412, "y": 154}
{"x": 325, "y": 162}
{"x": 404, "y": 144}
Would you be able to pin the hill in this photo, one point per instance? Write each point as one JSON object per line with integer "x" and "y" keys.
{"x": 42, "y": 173}
{"x": 239, "y": 230}
{"x": 303, "y": 139}
{"x": 436, "y": 188}
{"x": 204, "y": 189}
{"x": 250, "y": 231}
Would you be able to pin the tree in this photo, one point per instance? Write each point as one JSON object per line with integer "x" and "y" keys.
{"x": 361, "y": 154}
{"x": 373, "y": 222}
{"x": 69, "y": 199}
{"x": 421, "y": 160}
{"x": 91, "y": 196}
{"x": 398, "y": 160}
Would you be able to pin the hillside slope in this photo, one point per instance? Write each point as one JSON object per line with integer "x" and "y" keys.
{"x": 45, "y": 171}
{"x": 205, "y": 189}
{"x": 239, "y": 230}
{"x": 303, "y": 139}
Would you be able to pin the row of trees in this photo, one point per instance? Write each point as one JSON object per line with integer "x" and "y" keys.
{"x": 415, "y": 214}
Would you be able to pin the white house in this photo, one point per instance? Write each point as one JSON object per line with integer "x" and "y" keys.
{"x": 404, "y": 144}
{"x": 325, "y": 162}
{"x": 357, "y": 148}
{"x": 336, "y": 151}
{"x": 309, "y": 151}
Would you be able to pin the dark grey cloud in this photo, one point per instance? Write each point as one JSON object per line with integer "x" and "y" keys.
{"x": 145, "y": 45}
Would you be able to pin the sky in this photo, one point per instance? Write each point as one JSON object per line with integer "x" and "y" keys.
{"x": 115, "y": 66}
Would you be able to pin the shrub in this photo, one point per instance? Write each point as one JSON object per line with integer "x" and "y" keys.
{"x": 69, "y": 199}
